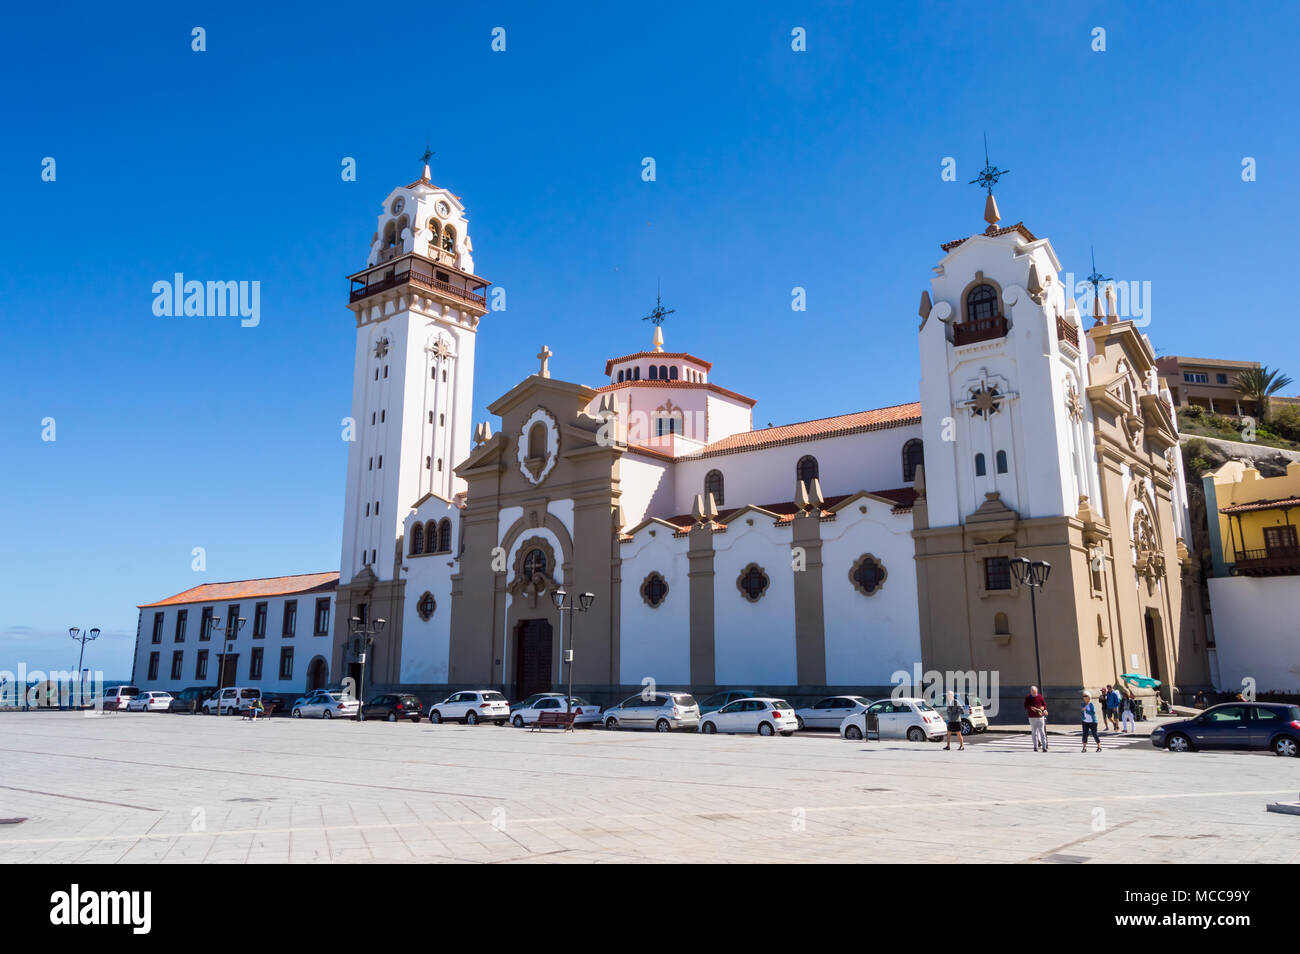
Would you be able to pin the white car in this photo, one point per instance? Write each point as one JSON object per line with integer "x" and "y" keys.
{"x": 584, "y": 712}
{"x": 829, "y": 713}
{"x": 973, "y": 718}
{"x": 232, "y": 700}
{"x": 906, "y": 718}
{"x": 764, "y": 715}
{"x": 325, "y": 704}
{"x": 472, "y": 707}
{"x": 151, "y": 701}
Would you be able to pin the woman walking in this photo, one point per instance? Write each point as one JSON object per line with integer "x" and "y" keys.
{"x": 1129, "y": 710}
{"x": 1088, "y": 716}
{"x": 954, "y": 725}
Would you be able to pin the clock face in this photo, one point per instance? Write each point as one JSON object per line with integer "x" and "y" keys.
{"x": 442, "y": 208}
{"x": 398, "y": 205}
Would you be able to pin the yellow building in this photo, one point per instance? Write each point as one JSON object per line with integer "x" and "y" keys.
{"x": 1257, "y": 520}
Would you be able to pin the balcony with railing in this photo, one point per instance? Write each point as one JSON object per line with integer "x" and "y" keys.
{"x": 1270, "y": 561}
{"x": 975, "y": 330}
{"x": 414, "y": 271}
{"x": 1066, "y": 332}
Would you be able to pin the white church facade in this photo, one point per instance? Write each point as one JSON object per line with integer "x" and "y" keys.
{"x": 823, "y": 555}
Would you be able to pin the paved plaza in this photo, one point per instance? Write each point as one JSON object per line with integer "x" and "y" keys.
{"x": 127, "y": 787}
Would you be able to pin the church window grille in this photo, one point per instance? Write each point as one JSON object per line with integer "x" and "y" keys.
{"x": 444, "y": 535}
{"x": 714, "y": 484}
{"x": 807, "y": 470}
{"x": 867, "y": 574}
{"x": 913, "y": 457}
{"x": 654, "y": 590}
{"x": 426, "y": 606}
{"x": 417, "y": 539}
{"x": 982, "y": 302}
{"x": 431, "y": 536}
{"x": 997, "y": 573}
{"x": 980, "y": 468}
{"x": 534, "y": 564}
{"x": 1001, "y": 461}
{"x": 752, "y": 582}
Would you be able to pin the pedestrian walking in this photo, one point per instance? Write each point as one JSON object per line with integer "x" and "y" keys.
{"x": 1112, "y": 707}
{"x": 1129, "y": 708}
{"x": 954, "y": 724}
{"x": 1088, "y": 717}
{"x": 1036, "y": 711}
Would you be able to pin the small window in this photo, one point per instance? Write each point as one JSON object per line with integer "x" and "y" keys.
{"x": 1000, "y": 625}
{"x": 153, "y": 666}
{"x": 178, "y": 660}
{"x": 636, "y": 374}
{"x": 913, "y": 457}
{"x": 663, "y": 372}
{"x": 654, "y": 373}
{"x": 807, "y": 470}
{"x": 381, "y": 462}
{"x": 713, "y": 484}
{"x": 430, "y": 417}
{"x": 997, "y": 573}
{"x": 181, "y": 619}
{"x": 157, "y": 627}
{"x": 654, "y": 590}
{"x": 201, "y": 666}
{"x": 1221, "y": 378}
{"x": 259, "y": 621}
{"x": 290, "y": 625}
{"x": 322, "y": 627}
{"x": 444, "y": 535}
{"x": 1001, "y": 460}
{"x": 255, "y": 663}
{"x": 417, "y": 539}
{"x": 980, "y": 468}
{"x": 286, "y": 662}
{"x": 426, "y": 606}
{"x": 534, "y": 564}
{"x": 672, "y": 373}
{"x": 620, "y": 377}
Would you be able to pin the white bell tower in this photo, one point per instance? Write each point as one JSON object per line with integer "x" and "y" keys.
{"x": 417, "y": 305}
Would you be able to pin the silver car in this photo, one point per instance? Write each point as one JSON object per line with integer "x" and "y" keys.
{"x": 661, "y": 711}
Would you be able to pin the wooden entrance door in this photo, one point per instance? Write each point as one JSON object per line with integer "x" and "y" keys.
{"x": 532, "y": 657}
{"x": 229, "y": 669}
{"x": 1153, "y": 647}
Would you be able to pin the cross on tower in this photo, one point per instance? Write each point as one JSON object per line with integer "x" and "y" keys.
{"x": 990, "y": 173}
{"x": 545, "y": 356}
{"x": 660, "y": 313}
{"x": 1096, "y": 278}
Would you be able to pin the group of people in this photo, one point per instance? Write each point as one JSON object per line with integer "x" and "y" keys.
{"x": 1117, "y": 706}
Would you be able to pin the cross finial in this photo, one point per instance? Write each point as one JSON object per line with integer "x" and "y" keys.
{"x": 990, "y": 173}
{"x": 660, "y": 313}
{"x": 428, "y": 154}
{"x": 1096, "y": 278}
{"x": 545, "y": 356}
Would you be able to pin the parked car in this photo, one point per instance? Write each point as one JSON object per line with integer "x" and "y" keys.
{"x": 152, "y": 700}
{"x": 232, "y": 700}
{"x": 719, "y": 699}
{"x": 189, "y": 699}
{"x": 1274, "y": 726}
{"x": 906, "y": 718}
{"x": 584, "y": 712}
{"x": 393, "y": 706}
{"x": 472, "y": 707}
{"x": 830, "y": 712}
{"x": 528, "y": 702}
{"x": 661, "y": 711}
{"x": 973, "y": 718}
{"x": 116, "y": 698}
{"x": 325, "y": 704}
{"x": 765, "y": 715}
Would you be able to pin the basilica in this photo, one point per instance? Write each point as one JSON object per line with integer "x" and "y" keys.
{"x": 693, "y": 549}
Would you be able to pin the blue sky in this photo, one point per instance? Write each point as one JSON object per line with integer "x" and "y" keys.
{"x": 775, "y": 169}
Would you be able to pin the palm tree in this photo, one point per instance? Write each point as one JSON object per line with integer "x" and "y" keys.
{"x": 1259, "y": 383}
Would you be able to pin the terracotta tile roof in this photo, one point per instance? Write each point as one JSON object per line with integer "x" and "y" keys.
{"x": 859, "y": 422}
{"x": 609, "y": 365}
{"x": 784, "y": 511}
{"x": 248, "y": 589}
{"x": 1262, "y": 505}
{"x": 679, "y": 384}
{"x": 1019, "y": 227}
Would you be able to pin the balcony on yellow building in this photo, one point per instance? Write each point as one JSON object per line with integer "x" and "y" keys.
{"x": 1255, "y": 520}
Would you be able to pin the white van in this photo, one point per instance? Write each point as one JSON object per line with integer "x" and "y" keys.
{"x": 233, "y": 700}
{"x": 110, "y": 700}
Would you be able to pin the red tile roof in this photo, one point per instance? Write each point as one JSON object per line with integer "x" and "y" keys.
{"x": 1262, "y": 505}
{"x": 248, "y": 589}
{"x": 859, "y": 422}
{"x": 706, "y": 365}
{"x": 1019, "y": 227}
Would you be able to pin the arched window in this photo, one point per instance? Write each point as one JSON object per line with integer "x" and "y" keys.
{"x": 672, "y": 373}
{"x": 980, "y": 468}
{"x": 444, "y": 535}
{"x": 636, "y": 374}
{"x": 663, "y": 372}
{"x": 1000, "y": 625}
{"x": 807, "y": 470}
{"x": 1001, "y": 460}
{"x": 430, "y": 537}
{"x": 620, "y": 377}
{"x": 654, "y": 373}
{"x": 449, "y": 239}
{"x": 417, "y": 539}
{"x": 537, "y": 441}
{"x": 534, "y": 564}
{"x": 435, "y": 233}
{"x": 913, "y": 457}
{"x": 713, "y": 485}
{"x": 390, "y": 235}
{"x": 981, "y": 302}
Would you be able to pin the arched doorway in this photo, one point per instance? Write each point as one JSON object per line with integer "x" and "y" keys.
{"x": 317, "y": 673}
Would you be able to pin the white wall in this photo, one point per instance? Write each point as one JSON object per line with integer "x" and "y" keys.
{"x": 426, "y": 645}
{"x": 645, "y": 488}
{"x": 655, "y": 642}
{"x": 1256, "y": 632}
{"x": 754, "y": 643}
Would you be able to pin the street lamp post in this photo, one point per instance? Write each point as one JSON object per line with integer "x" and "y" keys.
{"x": 363, "y": 639}
{"x": 83, "y": 637}
{"x": 564, "y": 604}
{"x": 1033, "y": 575}
{"x": 226, "y": 639}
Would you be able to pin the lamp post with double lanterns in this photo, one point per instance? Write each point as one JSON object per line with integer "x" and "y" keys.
{"x": 82, "y": 636}
{"x": 1032, "y": 574}
{"x": 227, "y": 641}
{"x": 564, "y": 604}
{"x": 363, "y": 637}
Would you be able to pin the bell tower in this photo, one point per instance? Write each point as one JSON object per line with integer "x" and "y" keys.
{"x": 417, "y": 305}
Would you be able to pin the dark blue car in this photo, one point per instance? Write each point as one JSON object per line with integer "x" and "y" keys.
{"x": 1274, "y": 726}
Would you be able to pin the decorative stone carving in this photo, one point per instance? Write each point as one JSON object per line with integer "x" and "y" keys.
{"x": 532, "y": 576}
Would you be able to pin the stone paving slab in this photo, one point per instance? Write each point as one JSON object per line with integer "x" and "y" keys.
{"x": 156, "y": 788}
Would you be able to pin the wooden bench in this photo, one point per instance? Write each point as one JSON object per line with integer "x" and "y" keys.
{"x": 554, "y": 717}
